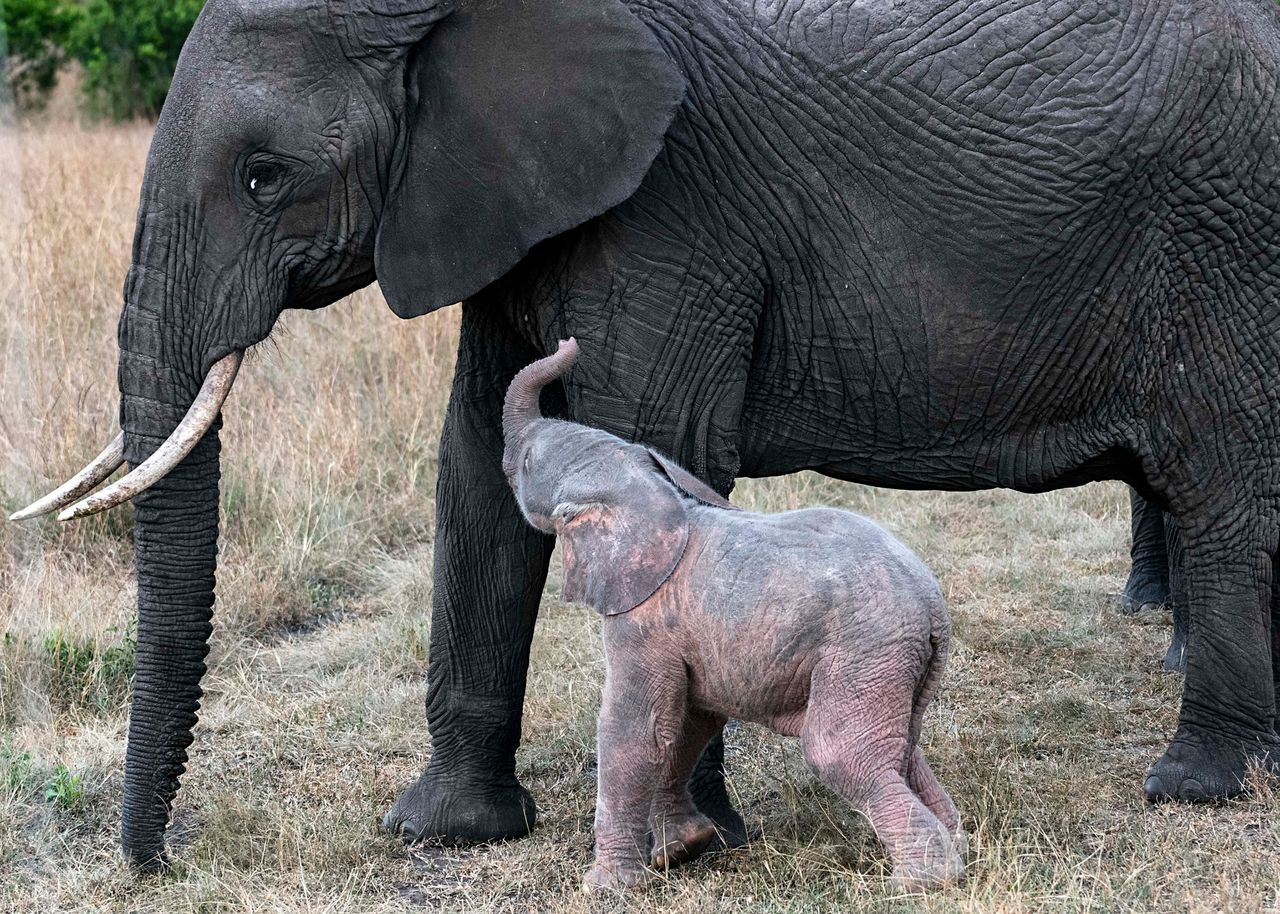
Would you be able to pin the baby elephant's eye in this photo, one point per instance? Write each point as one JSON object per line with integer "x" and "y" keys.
{"x": 526, "y": 461}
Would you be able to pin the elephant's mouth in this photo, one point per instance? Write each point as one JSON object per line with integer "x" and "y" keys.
{"x": 182, "y": 440}
{"x": 324, "y": 296}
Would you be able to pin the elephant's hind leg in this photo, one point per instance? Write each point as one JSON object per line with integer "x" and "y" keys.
{"x": 680, "y": 832}
{"x": 925, "y": 783}
{"x": 1148, "y": 584}
{"x": 1275, "y": 640}
{"x": 856, "y": 739}
{"x": 927, "y": 787}
{"x": 1175, "y": 659}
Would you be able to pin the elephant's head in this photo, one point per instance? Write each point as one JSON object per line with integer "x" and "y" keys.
{"x": 618, "y": 508}
{"x": 306, "y": 148}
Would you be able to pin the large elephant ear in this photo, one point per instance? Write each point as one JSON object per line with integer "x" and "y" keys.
{"x": 616, "y": 557}
{"x": 526, "y": 118}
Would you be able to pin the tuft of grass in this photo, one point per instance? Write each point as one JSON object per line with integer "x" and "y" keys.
{"x": 85, "y": 675}
{"x": 17, "y": 768}
{"x": 63, "y": 789}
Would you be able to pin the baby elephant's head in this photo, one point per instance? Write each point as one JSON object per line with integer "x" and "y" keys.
{"x": 619, "y": 508}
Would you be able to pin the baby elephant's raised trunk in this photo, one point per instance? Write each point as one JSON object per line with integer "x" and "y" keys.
{"x": 521, "y": 407}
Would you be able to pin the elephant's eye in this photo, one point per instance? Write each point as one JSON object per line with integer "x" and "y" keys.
{"x": 263, "y": 179}
{"x": 526, "y": 461}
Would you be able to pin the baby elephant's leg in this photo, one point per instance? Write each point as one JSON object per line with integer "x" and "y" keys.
{"x": 680, "y": 832}
{"x": 856, "y": 739}
{"x": 640, "y": 723}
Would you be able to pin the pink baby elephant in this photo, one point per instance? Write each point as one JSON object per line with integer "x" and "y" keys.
{"x": 815, "y": 623}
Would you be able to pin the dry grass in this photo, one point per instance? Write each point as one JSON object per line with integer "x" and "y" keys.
{"x": 1051, "y": 712}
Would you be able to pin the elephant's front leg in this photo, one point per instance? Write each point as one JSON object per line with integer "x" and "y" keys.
{"x": 641, "y": 726}
{"x": 490, "y": 567}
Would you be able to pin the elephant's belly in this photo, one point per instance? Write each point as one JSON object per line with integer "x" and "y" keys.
{"x": 756, "y": 692}
{"x": 935, "y": 418}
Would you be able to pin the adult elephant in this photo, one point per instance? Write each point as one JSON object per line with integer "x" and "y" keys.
{"x": 1018, "y": 243}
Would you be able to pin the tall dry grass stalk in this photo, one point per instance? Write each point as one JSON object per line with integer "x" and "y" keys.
{"x": 1052, "y": 709}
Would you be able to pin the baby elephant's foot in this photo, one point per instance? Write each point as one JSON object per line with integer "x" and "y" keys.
{"x": 679, "y": 838}
{"x": 937, "y": 863}
{"x": 615, "y": 877}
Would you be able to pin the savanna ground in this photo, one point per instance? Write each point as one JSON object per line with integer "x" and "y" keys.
{"x": 1052, "y": 709}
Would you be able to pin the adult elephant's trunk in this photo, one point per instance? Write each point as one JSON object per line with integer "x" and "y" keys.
{"x": 175, "y": 549}
{"x": 521, "y": 405}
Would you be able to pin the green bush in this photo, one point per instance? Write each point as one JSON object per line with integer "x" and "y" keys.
{"x": 129, "y": 51}
{"x": 17, "y": 770}
{"x": 34, "y": 37}
{"x": 128, "y": 48}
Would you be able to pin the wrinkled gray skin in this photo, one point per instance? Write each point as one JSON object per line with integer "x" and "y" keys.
{"x": 1018, "y": 243}
{"x": 815, "y": 623}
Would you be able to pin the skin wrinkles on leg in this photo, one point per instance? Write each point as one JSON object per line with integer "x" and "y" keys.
{"x": 869, "y": 775}
{"x": 1229, "y": 705}
{"x": 639, "y": 726}
{"x": 485, "y": 554}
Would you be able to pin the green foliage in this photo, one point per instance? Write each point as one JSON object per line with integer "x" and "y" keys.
{"x": 63, "y": 789}
{"x": 128, "y": 48}
{"x": 34, "y": 37}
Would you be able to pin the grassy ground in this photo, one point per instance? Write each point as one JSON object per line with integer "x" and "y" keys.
{"x": 1052, "y": 710}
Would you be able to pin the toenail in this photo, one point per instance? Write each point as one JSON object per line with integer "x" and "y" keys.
{"x": 1192, "y": 790}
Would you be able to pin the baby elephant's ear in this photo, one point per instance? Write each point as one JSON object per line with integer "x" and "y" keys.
{"x": 686, "y": 482}
{"x": 614, "y": 557}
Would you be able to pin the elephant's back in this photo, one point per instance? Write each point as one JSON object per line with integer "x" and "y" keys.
{"x": 852, "y": 550}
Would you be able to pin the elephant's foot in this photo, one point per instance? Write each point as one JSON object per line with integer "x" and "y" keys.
{"x": 678, "y": 838}
{"x": 1143, "y": 591}
{"x": 935, "y": 865}
{"x": 615, "y": 877}
{"x": 457, "y": 809}
{"x": 731, "y": 828}
{"x": 1204, "y": 767}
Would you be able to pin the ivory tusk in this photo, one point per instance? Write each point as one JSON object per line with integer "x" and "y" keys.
{"x": 86, "y": 480}
{"x": 204, "y": 410}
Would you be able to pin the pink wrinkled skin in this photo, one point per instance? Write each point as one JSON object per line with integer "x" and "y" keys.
{"x": 817, "y": 624}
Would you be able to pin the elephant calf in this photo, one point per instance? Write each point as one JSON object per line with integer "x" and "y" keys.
{"x": 815, "y": 623}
